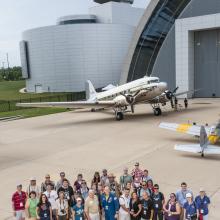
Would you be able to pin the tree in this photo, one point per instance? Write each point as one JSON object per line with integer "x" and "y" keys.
{"x": 11, "y": 74}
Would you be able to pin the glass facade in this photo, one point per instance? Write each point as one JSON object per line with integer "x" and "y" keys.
{"x": 153, "y": 36}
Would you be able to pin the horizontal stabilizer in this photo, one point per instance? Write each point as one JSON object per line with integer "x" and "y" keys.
{"x": 193, "y": 148}
{"x": 212, "y": 150}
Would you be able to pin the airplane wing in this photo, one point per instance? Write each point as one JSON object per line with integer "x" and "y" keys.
{"x": 183, "y": 128}
{"x": 212, "y": 150}
{"x": 71, "y": 105}
{"x": 193, "y": 148}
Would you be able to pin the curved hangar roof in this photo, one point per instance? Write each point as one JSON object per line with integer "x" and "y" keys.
{"x": 151, "y": 33}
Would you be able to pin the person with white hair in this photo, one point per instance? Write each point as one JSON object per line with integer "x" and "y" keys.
{"x": 92, "y": 206}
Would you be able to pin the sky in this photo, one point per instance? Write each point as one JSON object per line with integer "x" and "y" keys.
{"x": 17, "y": 16}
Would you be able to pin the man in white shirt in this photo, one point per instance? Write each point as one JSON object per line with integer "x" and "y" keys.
{"x": 124, "y": 200}
{"x": 52, "y": 196}
{"x": 33, "y": 187}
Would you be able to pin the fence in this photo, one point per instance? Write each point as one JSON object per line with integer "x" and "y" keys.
{"x": 10, "y": 105}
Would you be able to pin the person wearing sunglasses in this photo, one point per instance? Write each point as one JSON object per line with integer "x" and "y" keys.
{"x": 143, "y": 188}
{"x": 158, "y": 202}
{"x": 172, "y": 208}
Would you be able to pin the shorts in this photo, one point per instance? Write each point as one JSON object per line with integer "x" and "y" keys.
{"x": 205, "y": 217}
{"x": 20, "y": 215}
{"x": 94, "y": 216}
{"x": 124, "y": 216}
{"x": 64, "y": 217}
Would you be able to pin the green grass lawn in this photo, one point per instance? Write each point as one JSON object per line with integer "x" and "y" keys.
{"x": 9, "y": 90}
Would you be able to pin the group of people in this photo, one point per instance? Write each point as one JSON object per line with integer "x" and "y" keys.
{"x": 134, "y": 197}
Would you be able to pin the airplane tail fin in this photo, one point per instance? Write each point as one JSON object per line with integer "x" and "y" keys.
{"x": 90, "y": 91}
{"x": 203, "y": 137}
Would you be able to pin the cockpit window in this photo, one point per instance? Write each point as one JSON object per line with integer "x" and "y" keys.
{"x": 154, "y": 81}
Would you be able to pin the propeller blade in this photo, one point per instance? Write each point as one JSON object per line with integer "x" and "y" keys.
{"x": 175, "y": 90}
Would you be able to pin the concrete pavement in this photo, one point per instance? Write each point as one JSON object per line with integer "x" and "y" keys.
{"x": 84, "y": 142}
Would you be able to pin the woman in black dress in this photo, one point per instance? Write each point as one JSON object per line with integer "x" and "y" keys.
{"x": 135, "y": 207}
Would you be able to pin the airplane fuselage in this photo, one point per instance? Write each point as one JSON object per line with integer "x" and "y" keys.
{"x": 148, "y": 88}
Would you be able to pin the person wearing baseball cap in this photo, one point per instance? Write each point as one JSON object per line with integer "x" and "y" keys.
{"x": 78, "y": 210}
{"x": 137, "y": 175}
{"x": 33, "y": 187}
{"x": 18, "y": 203}
{"x": 190, "y": 209}
{"x": 203, "y": 202}
{"x": 181, "y": 196}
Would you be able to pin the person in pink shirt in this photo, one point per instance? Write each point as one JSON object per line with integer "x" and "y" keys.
{"x": 137, "y": 175}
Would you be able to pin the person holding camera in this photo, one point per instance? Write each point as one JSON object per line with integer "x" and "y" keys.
{"x": 62, "y": 207}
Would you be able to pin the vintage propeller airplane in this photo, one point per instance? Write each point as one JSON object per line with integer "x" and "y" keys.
{"x": 145, "y": 90}
{"x": 208, "y": 136}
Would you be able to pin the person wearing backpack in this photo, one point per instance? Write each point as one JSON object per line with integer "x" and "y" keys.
{"x": 190, "y": 208}
{"x": 158, "y": 202}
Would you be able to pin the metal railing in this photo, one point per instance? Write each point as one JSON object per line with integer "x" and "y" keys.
{"x": 10, "y": 105}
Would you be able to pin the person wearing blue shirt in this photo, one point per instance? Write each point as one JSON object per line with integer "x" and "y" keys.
{"x": 110, "y": 204}
{"x": 78, "y": 210}
{"x": 181, "y": 197}
{"x": 190, "y": 208}
{"x": 202, "y": 202}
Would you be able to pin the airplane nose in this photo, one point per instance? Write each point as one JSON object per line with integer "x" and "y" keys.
{"x": 163, "y": 86}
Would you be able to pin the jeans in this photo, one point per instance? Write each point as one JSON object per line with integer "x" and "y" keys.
{"x": 158, "y": 215}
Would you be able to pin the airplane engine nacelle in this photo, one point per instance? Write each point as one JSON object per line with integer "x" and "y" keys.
{"x": 121, "y": 101}
{"x": 169, "y": 95}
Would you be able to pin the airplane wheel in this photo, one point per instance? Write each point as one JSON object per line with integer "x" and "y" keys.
{"x": 119, "y": 116}
{"x": 157, "y": 112}
{"x": 202, "y": 155}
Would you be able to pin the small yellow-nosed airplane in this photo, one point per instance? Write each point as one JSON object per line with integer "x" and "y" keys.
{"x": 208, "y": 136}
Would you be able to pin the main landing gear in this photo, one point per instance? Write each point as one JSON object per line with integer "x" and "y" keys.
{"x": 119, "y": 116}
{"x": 157, "y": 110}
{"x": 119, "y": 113}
